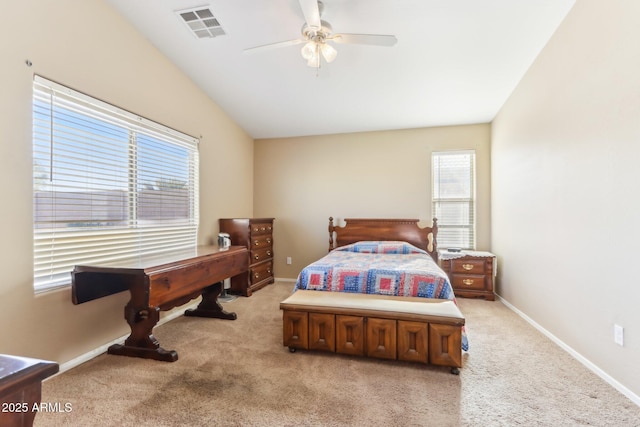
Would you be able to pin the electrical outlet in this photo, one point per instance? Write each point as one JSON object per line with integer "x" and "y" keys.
{"x": 618, "y": 335}
{"x": 288, "y": 260}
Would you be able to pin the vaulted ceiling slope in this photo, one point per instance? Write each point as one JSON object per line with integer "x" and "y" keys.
{"x": 455, "y": 61}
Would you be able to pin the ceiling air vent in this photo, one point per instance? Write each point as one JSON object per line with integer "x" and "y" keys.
{"x": 201, "y": 22}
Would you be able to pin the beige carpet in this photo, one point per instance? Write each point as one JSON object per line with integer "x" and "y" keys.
{"x": 237, "y": 373}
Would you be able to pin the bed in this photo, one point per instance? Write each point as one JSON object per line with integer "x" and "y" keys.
{"x": 393, "y": 257}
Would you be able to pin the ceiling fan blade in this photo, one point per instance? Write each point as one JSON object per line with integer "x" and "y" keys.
{"x": 372, "y": 39}
{"x": 311, "y": 12}
{"x": 275, "y": 45}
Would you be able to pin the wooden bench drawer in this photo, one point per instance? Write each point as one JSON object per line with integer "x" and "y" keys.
{"x": 413, "y": 341}
{"x": 322, "y": 332}
{"x": 381, "y": 338}
{"x": 295, "y": 329}
{"x": 350, "y": 335}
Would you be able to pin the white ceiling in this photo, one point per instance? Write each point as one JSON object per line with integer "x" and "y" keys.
{"x": 456, "y": 61}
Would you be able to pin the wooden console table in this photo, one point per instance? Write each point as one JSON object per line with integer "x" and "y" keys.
{"x": 21, "y": 388}
{"x": 161, "y": 283}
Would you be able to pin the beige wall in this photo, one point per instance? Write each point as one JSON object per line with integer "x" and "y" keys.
{"x": 566, "y": 188}
{"x": 105, "y": 58}
{"x": 303, "y": 181}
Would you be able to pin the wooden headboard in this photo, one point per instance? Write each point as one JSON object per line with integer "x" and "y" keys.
{"x": 406, "y": 230}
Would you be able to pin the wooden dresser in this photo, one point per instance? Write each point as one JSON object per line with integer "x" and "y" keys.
{"x": 471, "y": 273}
{"x": 257, "y": 235}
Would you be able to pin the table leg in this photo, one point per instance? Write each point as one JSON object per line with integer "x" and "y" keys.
{"x": 141, "y": 342}
{"x": 209, "y": 306}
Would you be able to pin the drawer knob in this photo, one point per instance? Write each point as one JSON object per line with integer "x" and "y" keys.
{"x": 257, "y": 243}
{"x": 467, "y": 282}
{"x": 268, "y": 253}
{"x": 268, "y": 240}
{"x": 467, "y": 266}
{"x": 263, "y": 228}
{"x": 257, "y": 276}
{"x": 257, "y": 256}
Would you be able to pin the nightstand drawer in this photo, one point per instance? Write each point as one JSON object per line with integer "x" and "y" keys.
{"x": 468, "y": 266}
{"x": 469, "y": 281}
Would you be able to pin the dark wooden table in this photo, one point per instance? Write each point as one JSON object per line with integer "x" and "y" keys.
{"x": 161, "y": 283}
{"x": 21, "y": 388}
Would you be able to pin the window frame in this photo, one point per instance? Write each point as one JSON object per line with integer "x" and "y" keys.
{"x": 445, "y": 224}
{"x": 146, "y": 225}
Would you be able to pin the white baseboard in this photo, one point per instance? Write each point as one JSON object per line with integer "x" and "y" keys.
{"x": 580, "y": 358}
{"x": 103, "y": 348}
{"x": 284, "y": 279}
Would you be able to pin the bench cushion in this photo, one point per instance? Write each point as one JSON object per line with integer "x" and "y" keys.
{"x": 415, "y": 307}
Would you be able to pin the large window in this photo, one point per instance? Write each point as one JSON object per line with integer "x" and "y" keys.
{"x": 107, "y": 185}
{"x": 454, "y": 193}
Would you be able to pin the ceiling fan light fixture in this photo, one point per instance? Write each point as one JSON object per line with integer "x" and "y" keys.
{"x": 309, "y": 50}
{"x": 328, "y": 52}
{"x": 314, "y": 62}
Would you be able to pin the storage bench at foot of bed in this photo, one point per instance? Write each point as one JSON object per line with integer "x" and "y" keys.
{"x": 424, "y": 330}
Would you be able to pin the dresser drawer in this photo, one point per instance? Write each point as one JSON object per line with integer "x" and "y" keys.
{"x": 261, "y": 242}
{"x": 468, "y": 266}
{"x": 261, "y": 272}
{"x": 259, "y": 255}
{"x": 258, "y": 228}
{"x": 468, "y": 281}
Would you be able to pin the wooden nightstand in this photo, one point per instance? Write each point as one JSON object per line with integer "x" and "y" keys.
{"x": 471, "y": 273}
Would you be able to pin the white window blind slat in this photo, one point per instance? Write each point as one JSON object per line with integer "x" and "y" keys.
{"x": 108, "y": 185}
{"x": 99, "y": 251}
{"x": 453, "y": 198}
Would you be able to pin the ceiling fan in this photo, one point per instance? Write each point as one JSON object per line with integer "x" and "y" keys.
{"x": 317, "y": 34}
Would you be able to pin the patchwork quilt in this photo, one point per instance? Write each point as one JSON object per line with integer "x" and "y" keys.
{"x": 385, "y": 268}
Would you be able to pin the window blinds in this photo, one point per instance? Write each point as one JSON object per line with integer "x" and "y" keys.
{"x": 454, "y": 198}
{"x": 107, "y": 185}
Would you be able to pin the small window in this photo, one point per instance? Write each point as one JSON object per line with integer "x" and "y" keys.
{"x": 454, "y": 193}
{"x": 107, "y": 185}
